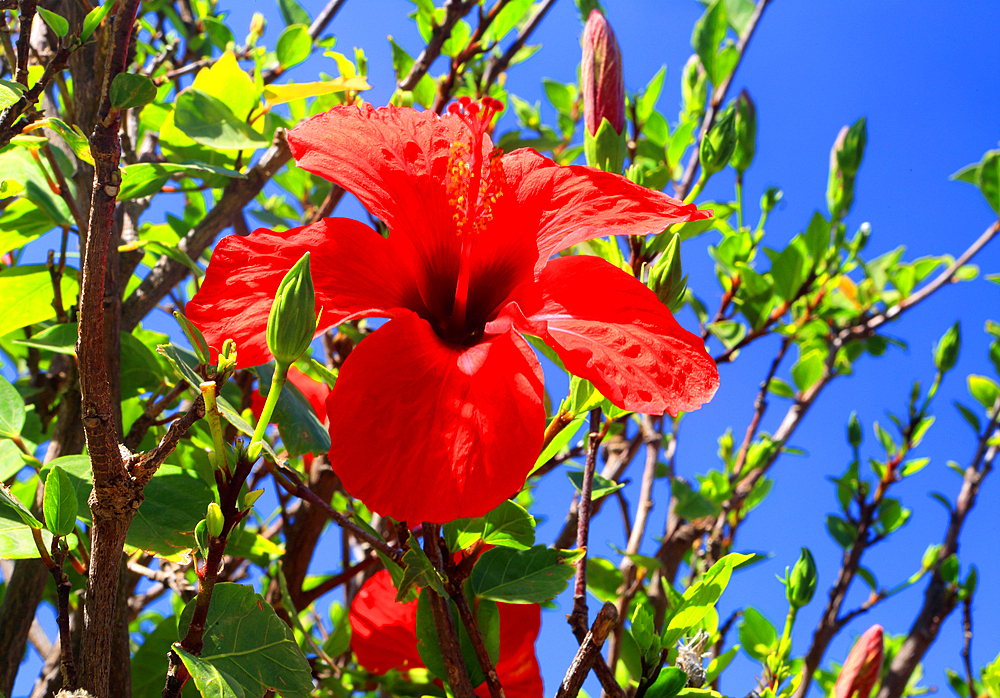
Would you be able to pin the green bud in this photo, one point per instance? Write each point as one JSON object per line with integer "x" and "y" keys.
{"x": 946, "y": 350}
{"x": 845, "y": 160}
{"x": 201, "y": 537}
{"x": 854, "y": 430}
{"x": 800, "y": 585}
{"x": 770, "y": 199}
{"x": 292, "y": 322}
{"x": 257, "y": 26}
{"x": 194, "y": 336}
{"x": 606, "y": 149}
{"x": 227, "y": 357}
{"x": 214, "y": 520}
{"x": 694, "y": 89}
{"x": 666, "y": 279}
{"x": 718, "y": 144}
{"x": 746, "y": 133}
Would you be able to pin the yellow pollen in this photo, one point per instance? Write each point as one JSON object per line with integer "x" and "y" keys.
{"x": 472, "y": 217}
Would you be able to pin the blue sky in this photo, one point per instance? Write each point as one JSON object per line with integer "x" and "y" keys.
{"x": 926, "y": 76}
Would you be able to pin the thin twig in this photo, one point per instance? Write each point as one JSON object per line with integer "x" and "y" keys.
{"x": 454, "y": 11}
{"x": 472, "y": 628}
{"x": 589, "y": 651}
{"x": 496, "y": 66}
{"x": 578, "y": 620}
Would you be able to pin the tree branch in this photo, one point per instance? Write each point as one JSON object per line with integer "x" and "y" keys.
{"x": 589, "y": 651}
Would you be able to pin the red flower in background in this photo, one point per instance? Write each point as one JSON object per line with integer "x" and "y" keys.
{"x": 384, "y": 637}
{"x": 438, "y": 414}
{"x": 863, "y": 667}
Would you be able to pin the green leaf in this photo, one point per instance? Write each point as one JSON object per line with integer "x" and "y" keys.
{"x": 11, "y": 461}
{"x": 94, "y": 18}
{"x": 758, "y": 636}
{"x": 60, "y": 503}
{"x": 668, "y": 684}
{"x": 31, "y": 285}
{"x": 984, "y": 390}
{"x": 339, "y": 640}
{"x": 708, "y": 34}
{"x": 808, "y": 369}
{"x": 988, "y": 179}
{"x": 561, "y": 95}
{"x": 788, "y": 271}
{"x": 603, "y": 579}
{"x": 691, "y": 505}
{"x": 561, "y": 441}
{"x": 418, "y": 571}
{"x": 510, "y": 526}
{"x": 522, "y": 576}
{"x": 174, "y": 503}
{"x": 841, "y": 531}
{"x": 10, "y": 92}
{"x": 602, "y": 486}
{"x": 646, "y": 103}
{"x": 57, "y": 24}
{"x": 892, "y": 515}
{"x": 11, "y": 410}
{"x": 428, "y": 645}
{"x": 817, "y": 236}
{"x": 208, "y": 121}
{"x": 147, "y": 178}
{"x": 300, "y": 428}
{"x": 293, "y": 13}
{"x": 701, "y": 598}
{"x": 969, "y": 416}
{"x": 208, "y": 679}
{"x": 246, "y": 640}
{"x": 294, "y": 45}
{"x": 149, "y": 660}
{"x": 10, "y": 502}
{"x": 781, "y": 388}
{"x": 130, "y": 90}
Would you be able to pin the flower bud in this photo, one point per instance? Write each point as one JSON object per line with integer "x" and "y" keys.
{"x": 257, "y": 26}
{"x": 946, "y": 350}
{"x": 251, "y": 497}
{"x": 770, "y": 199}
{"x": 603, "y": 96}
{"x": 292, "y": 322}
{"x": 863, "y": 667}
{"x": 214, "y": 520}
{"x": 800, "y": 585}
{"x": 227, "y": 357}
{"x": 718, "y": 144}
{"x": 694, "y": 89}
{"x": 666, "y": 279}
{"x": 854, "y": 430}
{"x": 601, "y": 76}
{"x": 845, "y": 160}
{"x": 746, "y": 133}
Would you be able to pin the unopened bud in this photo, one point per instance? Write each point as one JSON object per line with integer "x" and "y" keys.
{"x": 854, "y": 430}
{"x": 845, "y": 160}
{"x": 770, "y": 199}
{"x": 746, "y": 133}
{"x": 694, "y": 89}
{"x": 603, "y": 96}
{"x": 214, "y": 520}
{"x": 292, "y": 322}
{"x": 666, "y": 279}
{"x": 718, "y": 144}
{"x": 946, "y": 350}
{"x": 863, "y": 667}
{"x": 257, "y": 26}
{"x": 227, "y": 357}
{"x": 194, "y": 336}
{"x": 800, "y": 584}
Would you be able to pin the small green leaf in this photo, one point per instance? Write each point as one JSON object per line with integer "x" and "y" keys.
{"x": 418, "y": 571}
{"x": 522, "y": 576}
{"x": 130, "y": 90}
{"x": 969, "y": 416}
{"x": 708, "y": 34}
{"x": 294, "y": 45}
{"x": 293, "y": 13}
{"x": 57, "y": 24}
{"x": 701, "y": 598}
{"x": 984, "y": 390}
{"x": 758, "y": 636}
{"x": 94, "y": 18}
{"x": 988, "y": 179}
{"x": 561, "y": 95}
{"x": 509, "y": 525}
{"x": 59, "y": 503}
{"x": 602, "y": 486}
{"x": 808, "y": 369}
{"x": 781, "y": 388}
{"x": 209, "y": 680}
{"x": 841, "y": 531}
{"x": 11, "y": 410}
{"x": 8, "y": 499}
{"x": 668, "y": 684}
{"x": 207, "y": 120}
{"x": 339, "y": 640}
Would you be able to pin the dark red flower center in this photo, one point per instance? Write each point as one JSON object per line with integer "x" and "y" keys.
{"x": 474, "y": 185}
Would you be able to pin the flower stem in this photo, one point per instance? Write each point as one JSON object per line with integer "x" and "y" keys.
{"x": 215, "y": 425}
{"x": 277, "y": 383}
{"x": 694, "y": 193}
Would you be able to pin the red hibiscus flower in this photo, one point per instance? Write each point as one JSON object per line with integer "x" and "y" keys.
{"x": 384, "y": 637}
{"x": 438, "y": 414}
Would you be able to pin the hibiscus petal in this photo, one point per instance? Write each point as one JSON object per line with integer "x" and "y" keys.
{"x": 609, "y": 328}
{"x": 423, "y": 430}
{"x": 518, "y": 668}
{"x": 570, "y": 204}
{"x": 383, "y": 632}
{"x": 353, "y": 270}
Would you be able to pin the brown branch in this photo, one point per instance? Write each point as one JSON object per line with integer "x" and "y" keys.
{"x": 496, "y": 66}
{"x": 718, "y": 97}
{"x": 146, "y": 465}
{"x": 454, "y": 11}
{"x": 967, "y": 645}
{"x": 63, "y": 588}
{"x": 578, "y": 620}
{"x": 26, "y": 16}
{"x": 140, "y": 426}
{"x": 940, "y": 598}
{"x": 472, "y": 628}
{"x": 324, "y": 18}
{"x": 589, "y": 651}
{"x": 238, "y": 193}
{"x": 64, "y": 191}
{"x": 451, "y": 653}
{"x": 8, "y": 129}
{"x": 472, "y": 49}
